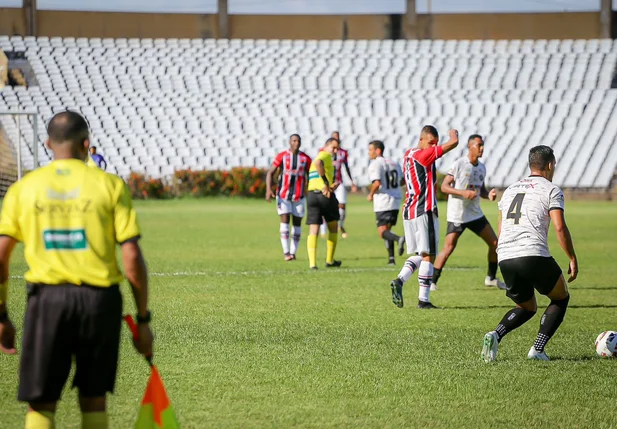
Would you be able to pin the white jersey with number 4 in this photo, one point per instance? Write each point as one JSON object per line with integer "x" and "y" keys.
{"x": 525, "y": 218}
{"x": 467, "y": 177}
{"x": 389, "y": 173}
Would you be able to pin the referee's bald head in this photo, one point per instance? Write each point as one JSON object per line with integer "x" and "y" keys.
{"x": 68, "y": 127}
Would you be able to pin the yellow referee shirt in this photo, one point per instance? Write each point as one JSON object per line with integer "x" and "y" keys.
{"x": 316, "y": 183}
{"x": 70, "y": 218}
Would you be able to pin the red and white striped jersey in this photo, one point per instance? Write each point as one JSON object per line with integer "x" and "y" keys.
{"x": 294, "y": 169}
{"x": 341, "y": 158}
{"x": 420, "y": 177}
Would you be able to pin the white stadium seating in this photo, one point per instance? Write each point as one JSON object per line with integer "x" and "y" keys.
{"x": 164, "y": 104}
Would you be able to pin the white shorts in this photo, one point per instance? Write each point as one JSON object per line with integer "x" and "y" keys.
{"x": 341, "y": 194}
{"x": 290, "y": 207}
{"x": 422, "y": 234}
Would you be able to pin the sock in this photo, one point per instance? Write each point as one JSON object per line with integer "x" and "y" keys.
{"x": 94, "y": 420}
{"x": 341, "y": 222}
{"x": 411, "y": 265}
{"x": 332, "y": 240}
{"x": 436, "y": 274}
{"x": 285, "y": 237}
{"x": 311, "y": 247}
{"x": 551, "y": 319}
{"x": 40, "y": 420}
{"x": 390, "y": 247}
{"x": 513, "y": 319}
{"x": 425, "y": 277}
{"x": 297, "y": 234}
{"x": 323, "y": 229}
{"x": 492, "y": 270}
{"x": 389, "y": 235}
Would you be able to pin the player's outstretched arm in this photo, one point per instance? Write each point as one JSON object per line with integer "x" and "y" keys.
{"x": 137, "y": 276}
{"x": 7, "y": 330}
{"x": 451, "y": 143}
{"x": 447, "y": 188}
{"x": 565, "y": 241}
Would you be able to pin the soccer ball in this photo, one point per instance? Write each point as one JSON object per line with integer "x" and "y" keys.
{"x": 606, "y": 344}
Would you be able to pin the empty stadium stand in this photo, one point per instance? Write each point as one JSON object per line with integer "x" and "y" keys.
{"x": 159, "y": 105}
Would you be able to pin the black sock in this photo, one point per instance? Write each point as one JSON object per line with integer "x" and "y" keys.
{"x": 492, "y": 270}
{"x": 551, "y": 319}
{"x": 436, "y": 274}
{"x": 512, "y": 320}
{"x": 388, "y": 235}
{"x": 390, "y": 246}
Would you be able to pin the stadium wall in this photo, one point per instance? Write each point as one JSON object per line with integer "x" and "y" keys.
{"x": 583, "y": 25}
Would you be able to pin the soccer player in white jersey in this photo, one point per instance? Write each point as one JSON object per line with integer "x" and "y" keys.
{"x": 386, "y": 177}
{"x": 525, "y": 211}
{"x": 464, "y": 185}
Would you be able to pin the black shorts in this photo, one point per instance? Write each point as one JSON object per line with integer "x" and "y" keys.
{"x": 386, "y": 218}
{"x": 477, "y": 226}
{"x": 318, "y": 207}
{"x": 523, "y": 275}
{"x": 66, "y": 321}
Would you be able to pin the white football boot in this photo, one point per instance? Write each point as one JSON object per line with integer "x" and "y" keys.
{"x": 536, "y": 355}
{"x": 433, "y": 287}
{"x": 490, "y": 346}
{"x": 494, "y": 283}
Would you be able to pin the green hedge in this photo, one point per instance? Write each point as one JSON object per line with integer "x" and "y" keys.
{"x": 244, "y": 182}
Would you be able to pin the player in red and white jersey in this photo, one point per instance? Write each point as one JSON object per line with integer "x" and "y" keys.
{"x": 290, "y": 197}
{"x": 340, "y": 161}
{"x": 420, "y": 219}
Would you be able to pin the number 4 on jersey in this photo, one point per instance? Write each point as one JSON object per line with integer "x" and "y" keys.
{"x": 514, "y": 212}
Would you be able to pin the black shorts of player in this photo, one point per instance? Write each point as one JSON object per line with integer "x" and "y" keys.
{"x": 65, "y": 322}
{"x": 523, "y": 275}
{"x": 477, "y": 226}
{"x": 318, "y": 207}
{"x": 386, "y": 218}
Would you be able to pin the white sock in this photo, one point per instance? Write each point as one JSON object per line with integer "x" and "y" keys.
{"x": 323, "y": 229}
{"x": 341, "y": 213}
{"x": 297, "y": 234}
{"x": 411, "y": 265}
{"x": 425, "y": 278}
{"x": 285, "y": 237}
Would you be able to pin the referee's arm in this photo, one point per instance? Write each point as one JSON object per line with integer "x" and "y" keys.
{"x": 7, "y": 330}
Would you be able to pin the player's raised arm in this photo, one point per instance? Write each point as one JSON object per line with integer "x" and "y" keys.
{"x": 565, "y": 241}
{"x": 451, "y": 143}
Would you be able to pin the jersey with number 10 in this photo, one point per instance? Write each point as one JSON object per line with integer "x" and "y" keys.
{"x": 525, "y": 217}
{"x": 389, "y": 173}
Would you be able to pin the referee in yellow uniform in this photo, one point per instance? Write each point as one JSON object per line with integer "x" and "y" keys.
{"x": 322, "y": 203}
{"x": 70, "y": 218}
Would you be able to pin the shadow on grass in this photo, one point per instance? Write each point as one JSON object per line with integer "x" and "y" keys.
{"x": 599, "y": 288}
{"x": 574, "y": 358}
{"x": 488, "y": 307}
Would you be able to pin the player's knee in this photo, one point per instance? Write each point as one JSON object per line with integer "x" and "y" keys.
{"x": 561, "y": 303}
{"x": 529, "y": 307}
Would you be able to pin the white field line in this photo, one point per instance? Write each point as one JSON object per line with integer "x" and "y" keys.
{"x": 392, "y": 270}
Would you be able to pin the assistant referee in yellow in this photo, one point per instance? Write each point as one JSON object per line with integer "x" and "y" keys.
{"x": 322, "y": 204}
{"x": 70, "y": 218}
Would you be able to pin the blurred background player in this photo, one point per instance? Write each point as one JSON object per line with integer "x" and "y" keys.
{"x": 525, "y": 211}
{"x": 420, "y": 217}
{"x": 340, "y": 160}
{"x": 464, "y": 185}
{"x": 294, "y": 168}
{"x": 98, "y": 158}
{"x": 385, "y": 176}
{"x": 322, "y": 204}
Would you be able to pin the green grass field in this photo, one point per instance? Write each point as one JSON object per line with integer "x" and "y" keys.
{"x": 244, "y": 339}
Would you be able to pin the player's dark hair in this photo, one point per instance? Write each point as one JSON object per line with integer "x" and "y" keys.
{"x": 296, "y": 135}
{"x": 429, "y": 129}
{"x": 68, "y": 126}
{"x": 330, "y": 140}
{"x": 336, "y": 132}
{"x": 474, "y": 136}
{"x": 378, "y": 144}
{"x": 540, "y": 157}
